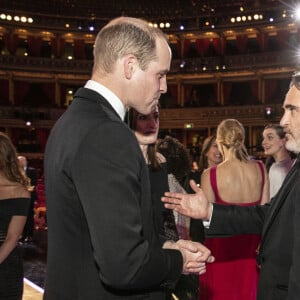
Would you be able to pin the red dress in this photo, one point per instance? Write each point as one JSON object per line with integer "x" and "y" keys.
{"x": 234, "y": 274}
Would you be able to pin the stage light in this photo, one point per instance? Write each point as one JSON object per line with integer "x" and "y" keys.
{"x": 297, "y": 13}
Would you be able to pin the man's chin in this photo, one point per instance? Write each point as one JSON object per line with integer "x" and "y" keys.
{"x": 290, "y": 145}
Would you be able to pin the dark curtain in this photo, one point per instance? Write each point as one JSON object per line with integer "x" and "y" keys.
{"x": 11, "y": 42}
{"x": 227, "y": 86}
{"x": 79, "y": 49}
{"x": 242, "y": 42}
{"x": 21, "y": 89}
{"x": 35, "y": 45}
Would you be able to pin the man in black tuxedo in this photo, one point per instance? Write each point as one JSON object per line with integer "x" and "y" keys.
{"x": 101, "y": 238}
{"x": 278, "y": 221}
{"x": 31, "y": 173}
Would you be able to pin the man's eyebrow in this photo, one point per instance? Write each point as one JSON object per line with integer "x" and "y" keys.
{"x": 289, "y": 106}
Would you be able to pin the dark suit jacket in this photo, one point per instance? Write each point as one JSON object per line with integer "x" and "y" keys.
{"x": 278, "y": 222}
{"x": 101, "y": 240}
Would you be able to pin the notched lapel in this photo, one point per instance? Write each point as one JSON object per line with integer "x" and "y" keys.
{"x": 280, "y": 198}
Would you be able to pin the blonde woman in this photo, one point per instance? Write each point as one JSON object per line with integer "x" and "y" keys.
{"x": 234, "y": 275}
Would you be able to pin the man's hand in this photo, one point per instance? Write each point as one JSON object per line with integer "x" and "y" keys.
{"x": 195, "y": 255}
{"x": 193, "y": 205}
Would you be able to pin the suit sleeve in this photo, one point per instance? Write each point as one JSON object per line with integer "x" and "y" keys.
{"x": 126, "y": 249}
{"x": 234, "y": 219}
{"x": 294, "y": 276}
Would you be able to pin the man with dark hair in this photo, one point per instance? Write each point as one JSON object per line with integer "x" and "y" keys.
{"x": 278, "y": 221}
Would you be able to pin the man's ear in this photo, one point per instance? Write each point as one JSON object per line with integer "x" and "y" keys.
{"x": 130, "y": 63}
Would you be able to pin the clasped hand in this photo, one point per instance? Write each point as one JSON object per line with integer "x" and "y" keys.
{"x": 195, "y": 255}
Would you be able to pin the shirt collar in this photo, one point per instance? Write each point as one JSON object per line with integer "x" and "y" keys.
{"x": 113, "y": 100}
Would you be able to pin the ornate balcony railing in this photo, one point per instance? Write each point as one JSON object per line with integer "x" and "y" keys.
{"x": 178, "y": 66}
{"x": 203, "y": 117}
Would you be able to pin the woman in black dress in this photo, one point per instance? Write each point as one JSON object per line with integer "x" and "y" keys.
{"x": 14, "y": 205}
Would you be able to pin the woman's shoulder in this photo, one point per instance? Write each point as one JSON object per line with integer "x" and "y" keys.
{"x": 13, "y": 190}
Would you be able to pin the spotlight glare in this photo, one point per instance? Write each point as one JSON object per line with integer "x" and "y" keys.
{"x": 23, "y": 19}
{"x": 232, "y": 20}
{"x": 30, "y": 20}
{"x": 181, "y": 27}
{"x": 8, "y": 17}
{"x": 168, "y": 25}
{"x": 17, "y": 18}
{"x": 297, "y": 13}
{"x": 3, "y": 16}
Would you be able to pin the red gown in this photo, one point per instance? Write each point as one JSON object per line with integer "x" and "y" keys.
{"x": 234, "y": 274}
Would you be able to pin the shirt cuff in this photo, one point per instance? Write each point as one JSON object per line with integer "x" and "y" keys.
{"x": 206, "y": 223}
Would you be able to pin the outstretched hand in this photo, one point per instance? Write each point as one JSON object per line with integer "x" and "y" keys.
{"x": 192, "y": 205}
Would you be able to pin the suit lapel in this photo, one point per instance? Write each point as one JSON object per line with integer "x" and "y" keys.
{"x": 279, "y": 199}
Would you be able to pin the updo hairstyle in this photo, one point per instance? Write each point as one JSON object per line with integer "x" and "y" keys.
{"x": 231, "y": 135}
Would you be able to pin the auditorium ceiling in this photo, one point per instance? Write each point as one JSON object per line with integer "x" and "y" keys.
{"x": 191, "y": 15}
{"x": 138, "y": 8}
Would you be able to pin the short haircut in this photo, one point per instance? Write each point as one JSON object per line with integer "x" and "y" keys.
{"x": 123, "y": 36}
